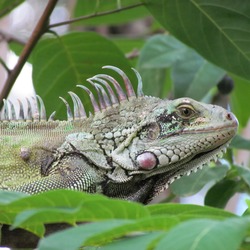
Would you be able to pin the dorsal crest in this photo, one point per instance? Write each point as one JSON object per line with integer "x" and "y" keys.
{"x": 107, "y": 97}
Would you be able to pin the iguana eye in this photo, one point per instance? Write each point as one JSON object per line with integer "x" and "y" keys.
{"x": 186, "y": 111}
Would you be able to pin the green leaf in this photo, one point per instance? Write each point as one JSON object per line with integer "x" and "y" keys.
{"x": 189, "y": 185}
{"x": 63, "y": 239}
{"x": 161, "y": 51}
{"x": 6, "y": 197}
{"x": 89, "y": 210}
{"x": 94, "y": 7}
{"x": 66, "y": 206}
{"x": 244, "y": 173}
{"x": 240, "y": 143}
{"x": 154, "y": 82}
{"x": 6, "y": 6}
{"x": 204, "y": 234}
{"x": 192, "y": 75}
{"x": 103, "y": 232}
{"x": 140, "y": 242}
{"x": 218, "y": 30}
{"x": 221, "y": 192}
{"x": 59, "y": 64}
{"x": 194, "y": 211}
{"x": 130, "y": 47}
{"x": 240, "y": 99}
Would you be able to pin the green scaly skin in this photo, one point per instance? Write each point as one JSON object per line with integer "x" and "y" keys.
{"x": 129, "y": 150}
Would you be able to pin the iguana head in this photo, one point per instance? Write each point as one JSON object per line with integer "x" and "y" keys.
{"x": 178, "y": 135}
{"x": 154, "y": 141}
{"x": 172, "y": 138}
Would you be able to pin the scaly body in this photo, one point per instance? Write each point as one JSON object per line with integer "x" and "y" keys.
{"x": 131, "y": 148}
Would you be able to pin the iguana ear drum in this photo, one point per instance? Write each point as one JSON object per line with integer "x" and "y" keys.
{"x": 147, "y": 160}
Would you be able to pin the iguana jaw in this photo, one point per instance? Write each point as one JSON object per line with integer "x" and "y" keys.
{"x": 197, "y": 162}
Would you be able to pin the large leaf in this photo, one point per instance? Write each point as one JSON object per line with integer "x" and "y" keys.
{"x": 192, "y": 75}
{"x": 218, "y": 30}
{"x": 59, "y": 64}
{"x": 244, "y": 173}
{"x": 240, "y": 99}
{"x": 240, "y": 143}
{"x": 162, "y": 219}
{"x": 103, "y": 232}
{"x": 110, "y": 218}
{"x": 65, "y": 206}
{"x": 206, "y": 234}
{"x": 221, "y": 192}
{"x": 190, "y": 210}
{"x": 189, "y": 185}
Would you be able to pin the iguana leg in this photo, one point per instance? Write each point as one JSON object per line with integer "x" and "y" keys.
{"x": 71, "y": 172}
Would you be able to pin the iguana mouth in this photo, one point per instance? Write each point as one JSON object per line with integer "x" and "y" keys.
{"x": 198, "y": 162}
{"x": 188, "y": 165}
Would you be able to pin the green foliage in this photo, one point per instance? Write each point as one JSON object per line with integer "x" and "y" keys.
{"x": 190, "y": 185}
{"x": 213, "y": 41}
{"x": 6, "y": 6}
{"x": 90, "y": 7}
{"x": 192, "y": 75}
{"x": 218, "y": 30}
{"x": 113, "y": 219}
{"x": 60, "y": 63}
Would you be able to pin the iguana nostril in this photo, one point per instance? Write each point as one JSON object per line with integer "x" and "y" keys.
{"x": 229, "y": 116}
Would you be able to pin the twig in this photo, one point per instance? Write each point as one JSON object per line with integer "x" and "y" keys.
{"x": 5, "y": 65}
{"x": 39, "y": 30}
{"x": 73, "y": 20}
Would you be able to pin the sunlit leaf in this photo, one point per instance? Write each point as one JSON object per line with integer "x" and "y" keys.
{"x": 187, "y": 209}
{"x": 204, "y": 234}
{"x": 66, "y": 206}
{"x": 103, "y": 232}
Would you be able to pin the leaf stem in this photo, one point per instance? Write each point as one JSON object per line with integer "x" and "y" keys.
{"x": 5, "y": 65}
{"x": 39, "y": 30}
{"x": 104, "y": 13}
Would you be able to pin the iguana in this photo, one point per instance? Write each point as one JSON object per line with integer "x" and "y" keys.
{"x": 132, "y": 147}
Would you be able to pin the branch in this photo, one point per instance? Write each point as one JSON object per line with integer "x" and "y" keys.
{"x": 39, "y": 30}
{"x": 73, "y": 20}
